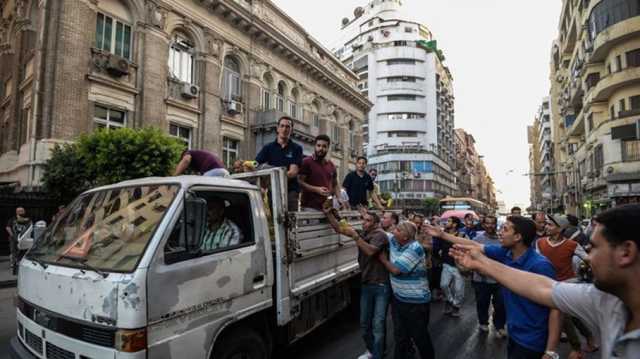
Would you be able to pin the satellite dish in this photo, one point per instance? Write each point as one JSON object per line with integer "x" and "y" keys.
{"x": 345, "y": 21}
{"x": 358, "y": 11}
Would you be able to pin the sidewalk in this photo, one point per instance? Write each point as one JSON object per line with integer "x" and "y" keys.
{"x": 7, "y": 279}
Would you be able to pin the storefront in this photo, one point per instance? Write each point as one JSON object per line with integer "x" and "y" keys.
{"x": 624, "y": 193}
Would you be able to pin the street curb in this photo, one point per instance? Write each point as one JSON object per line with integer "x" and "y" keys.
{"x": 9, "y": 283}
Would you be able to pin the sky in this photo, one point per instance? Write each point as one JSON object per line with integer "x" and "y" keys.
{"x": 498, "y": 52}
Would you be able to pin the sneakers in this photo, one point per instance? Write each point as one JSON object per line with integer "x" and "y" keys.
{"x": 447, "y": 308}
{"x": 483, "y": 327}
{"x": 501, "y": 333}
{"x": 366, "y": 355}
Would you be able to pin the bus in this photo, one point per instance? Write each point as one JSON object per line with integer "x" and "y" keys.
{"x": 464, "y": 203}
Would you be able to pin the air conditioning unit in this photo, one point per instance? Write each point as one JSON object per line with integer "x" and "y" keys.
{"x": 117, "y": 66}
{"x": 190, "y": 91}
{"x": 234, "y": 107}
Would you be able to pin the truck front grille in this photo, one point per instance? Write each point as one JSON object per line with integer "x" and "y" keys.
{"x": 33, "y": 341}
{"x": 55, "y": 352}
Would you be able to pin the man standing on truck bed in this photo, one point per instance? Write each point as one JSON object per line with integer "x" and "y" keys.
{"x": 283, "y": 152}
{"x": 376, "y": 290}
{"x": 358, "y": 183}
{"x": 318, "y": 176}
{"x": 203, "y": 162}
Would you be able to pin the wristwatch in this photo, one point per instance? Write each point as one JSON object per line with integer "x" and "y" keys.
{"x": 552, "y": 354}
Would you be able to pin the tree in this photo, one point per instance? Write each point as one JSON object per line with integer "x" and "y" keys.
{"x": 431, "y": 206}
{"x": 109, "y": 156}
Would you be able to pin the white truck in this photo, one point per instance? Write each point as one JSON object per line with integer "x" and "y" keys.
{"x": 181, "y": 267}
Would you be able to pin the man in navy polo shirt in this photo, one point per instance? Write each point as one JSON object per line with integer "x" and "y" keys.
{"x": 283, "y": 152}
{"x": 358, "y": 183}
{"x": 534, "y": 330}
{"x": 318, "y": 177}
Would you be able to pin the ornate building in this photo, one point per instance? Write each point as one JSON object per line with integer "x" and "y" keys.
{"x": 216, "y": 74}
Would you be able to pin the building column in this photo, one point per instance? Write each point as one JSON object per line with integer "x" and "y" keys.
{"x": 210, "y": 126}
{"x": 155, "y": 56}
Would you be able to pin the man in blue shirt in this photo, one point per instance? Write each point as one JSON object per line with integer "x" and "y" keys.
{"x": 283, "y": 152}
{"x": 534, "y": 330}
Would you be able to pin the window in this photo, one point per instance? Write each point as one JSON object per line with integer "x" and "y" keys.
{"x": 232, "y": 83}
{"x": 401, "y": 79}
{"x": 408, "y": 29}
{"x": 232, "y": 214}
{"x": 612, "y": 112}
{"x": 405, "y": 116}
{"x": 266, "y": 100}
{"x": 590, "y": 122}
{"x": 623, "y": 105}
{"x": 610, "y": 12}
{"x": 399, "y": 43}
{"x": 230, "y": 152}
{"x": 316, "y": 120}
{"x": 634, "y": 102}
{"x": 618, "y": 63}
{"x": 113, "y": 36}
{"x": 401, "y": 98}
{"x": 336, "y": 134}
{"x": 293, "y": 109}
{"x": 598, "y": 158}
{"x": 182, "y": 133}
{"x": 630, "y": 150}
{"x": 352, "y": 136}
{"x": 105, "y": 117}
{"x": 181, "y": 59}
{"x": 402, "y": 134}
{"x": 401, "y": 62}
{"x": 633, "y": 58}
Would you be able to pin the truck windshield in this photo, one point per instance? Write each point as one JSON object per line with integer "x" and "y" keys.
{"x": 107, "y": 230}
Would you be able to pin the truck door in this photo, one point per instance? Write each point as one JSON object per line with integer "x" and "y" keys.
{"x": 192, "y": 293}
{"x": 272, "y": 183}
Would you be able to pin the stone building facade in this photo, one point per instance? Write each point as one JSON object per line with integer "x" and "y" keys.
{"x": 216, "y": 74}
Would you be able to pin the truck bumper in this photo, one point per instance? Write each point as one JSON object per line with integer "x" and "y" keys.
{"x": 18, "y": 351}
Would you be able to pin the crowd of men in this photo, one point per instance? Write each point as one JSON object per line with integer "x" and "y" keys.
{"x": 542, "y": 276}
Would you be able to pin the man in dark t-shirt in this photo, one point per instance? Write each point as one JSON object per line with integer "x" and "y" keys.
{"x": 376, "y": 290}
{"x": 283, "y": 152}
{"x": 203, "y": 162}
{"x": 318, "y": 177}
{"x": 358, "y": 183}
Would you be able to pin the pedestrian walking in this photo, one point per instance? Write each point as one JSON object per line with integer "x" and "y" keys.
{"x": 533, "y": 329}
{"x": 451, "y": 281}
{"x": 487, "y": 290}
{"x": 375, "y": 291}
{"x": 410, "y": 293}
{"x": 283, "y": 152}
{"x": 610, "y": 307}
{"x": 16, "y": 226}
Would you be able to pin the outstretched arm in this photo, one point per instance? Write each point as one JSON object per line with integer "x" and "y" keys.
{"x": 182, "y": 165}
{"x": 367, "y": 249}
{"x": 535, "y": 287}
{"x": 438, "y": 232}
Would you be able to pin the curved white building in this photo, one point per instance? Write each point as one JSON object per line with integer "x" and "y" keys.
{"x": 409, "y": 134}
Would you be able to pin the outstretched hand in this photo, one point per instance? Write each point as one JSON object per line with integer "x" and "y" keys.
{"x": 469, "y": 256}
{"x": 432, "y": 230}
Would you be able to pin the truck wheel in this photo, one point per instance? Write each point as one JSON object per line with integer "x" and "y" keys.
{"x": 243, "y": 343}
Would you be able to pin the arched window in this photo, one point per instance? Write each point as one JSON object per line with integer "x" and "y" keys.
{"x": 293, "y": 104}
{"x": 267, "y": 103}
{"x": 181, "y": 58}
{"x": 315, "y": 105}
{"x": 113, "y": 29}
{"x": 352, "y": 136}
{"x": 282, "y": 93}
{"x": 231, "y": 76}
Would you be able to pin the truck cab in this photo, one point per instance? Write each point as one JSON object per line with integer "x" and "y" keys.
{"x": 190, "y": 266}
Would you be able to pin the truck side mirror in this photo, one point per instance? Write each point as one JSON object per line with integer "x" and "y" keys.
{"x": 195, "y": 211}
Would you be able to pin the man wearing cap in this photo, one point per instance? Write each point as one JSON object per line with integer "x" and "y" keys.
{"x": 283, "y": 152}
{"x": 560, "y": 250}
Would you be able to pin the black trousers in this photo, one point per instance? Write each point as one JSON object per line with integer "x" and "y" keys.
{"x": 517, "y": 351}
{"x": 411, "y": 324}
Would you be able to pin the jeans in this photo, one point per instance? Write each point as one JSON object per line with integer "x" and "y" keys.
{"x": 517, "y": 351}
{"x": 292, "y": 201}
{"x": 452, "y": 285}
{"x": 488, "y": 293}
{"x": 374, "y": 301}
{"x": 411, "y": 323}
{"x": 217, "y": 172}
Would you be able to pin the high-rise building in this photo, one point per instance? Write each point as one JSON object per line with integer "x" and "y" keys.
{"x": 409, "y": 134}
{"x": 595, "y": 98}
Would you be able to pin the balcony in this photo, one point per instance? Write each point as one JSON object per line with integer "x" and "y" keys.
{"x": 613, "y": 35}
{"x": 267, "y": 121}
{"x": 613, "y": 82}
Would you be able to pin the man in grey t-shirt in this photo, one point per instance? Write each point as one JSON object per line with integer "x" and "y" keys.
{"x": 610, "y": 306}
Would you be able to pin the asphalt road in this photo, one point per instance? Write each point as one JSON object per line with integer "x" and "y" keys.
{"x": 340, "y": 338}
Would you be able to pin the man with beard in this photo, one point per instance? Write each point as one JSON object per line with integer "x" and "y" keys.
{"x": 610, "y": 307}
{"x": 318, "y": 177}
{"x": 541, "y": 222}
{"x": 533, "y": 329}
{"x": 487, "y": 290}
{"x": 358, "y": 183}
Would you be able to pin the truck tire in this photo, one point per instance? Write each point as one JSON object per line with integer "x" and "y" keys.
{"x": 241, "y": 343}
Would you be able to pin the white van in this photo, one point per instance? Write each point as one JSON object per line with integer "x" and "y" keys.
{"x": 182, "y": 267}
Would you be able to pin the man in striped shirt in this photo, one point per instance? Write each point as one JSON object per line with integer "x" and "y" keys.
{"x": 220, "y": 232}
